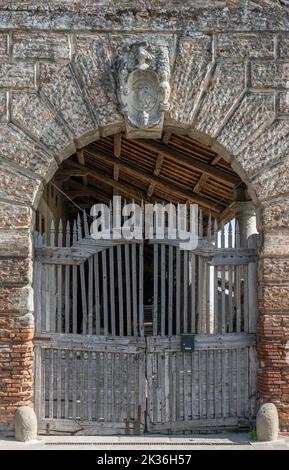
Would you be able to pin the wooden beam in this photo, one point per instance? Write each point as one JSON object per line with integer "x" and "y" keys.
{"x": 179, "y": 157}
{"x": 81, "y": 160}
{"x": 177, "y": 193}
{"x": 117, "y": 145}
{"x": 166, "y": 137}
{"x": 200, "y": 184}
{"x": 157, "y": 170}
{"x": 216, "y": 160}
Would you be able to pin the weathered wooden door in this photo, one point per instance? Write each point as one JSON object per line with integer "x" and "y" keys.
{"x": 201, "y": 359}
{"x": 89, "y": 346}
{"x": 102, "y": 368}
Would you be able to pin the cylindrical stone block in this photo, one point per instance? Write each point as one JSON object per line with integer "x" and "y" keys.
{"x": 267, "y": 423}
{"x": 25, "y": 424}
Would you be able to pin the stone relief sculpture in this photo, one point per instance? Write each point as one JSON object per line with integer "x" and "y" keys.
{"x": 143, "y": 87}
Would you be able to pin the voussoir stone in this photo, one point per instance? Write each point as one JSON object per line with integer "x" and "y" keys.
{"x": 267, "y": 423}
{"x": 25, "y": 424}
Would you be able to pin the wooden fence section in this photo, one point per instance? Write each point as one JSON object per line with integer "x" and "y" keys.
{"x": 211, "y": 388}
{"x": 87, "y": 286}
{"x": 206, "y": 291}
{"x": 97, "y": 384}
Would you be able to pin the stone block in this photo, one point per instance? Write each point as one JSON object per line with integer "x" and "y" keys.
{"x": 32, "y": 115}
{"x": 17, "y": 76}
{"x": 40, "y": 45}
{"x": 194, "y": 56}
{"x": 269, "y": 74}
{"x": 245, "y": 45}
{"x": 267, "y": 423}
{"x": 17, "y": 186}
{"x": 25, "y": 424}
{"x": 225, "y": 88}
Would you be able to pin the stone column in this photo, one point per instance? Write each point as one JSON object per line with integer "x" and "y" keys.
{"x": 245, "y": 214}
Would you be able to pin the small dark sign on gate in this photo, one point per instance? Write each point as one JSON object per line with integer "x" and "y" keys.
{"x": 188, "y": 343}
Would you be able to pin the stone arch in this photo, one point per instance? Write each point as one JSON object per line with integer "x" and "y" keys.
{"x": 228, "y": 89}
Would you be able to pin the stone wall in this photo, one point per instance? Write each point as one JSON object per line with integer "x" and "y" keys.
{"x": 230, "y": 68}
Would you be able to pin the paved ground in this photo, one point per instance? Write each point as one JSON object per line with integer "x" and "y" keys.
{"x": 156, "y": 442}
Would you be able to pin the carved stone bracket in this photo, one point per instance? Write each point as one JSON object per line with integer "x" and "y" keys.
{"x": 143, "y": 88}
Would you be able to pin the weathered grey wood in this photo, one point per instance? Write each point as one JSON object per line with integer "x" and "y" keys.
{"x": 193, "y": 296}
{"x": 185, "y": 292}
{"x": 140, "y": 288}
{"x": 104, "y": 290}
{"x": 170, "y": 290}
{"x": 155, "y": 295}
{"x": 128, "y": 289}
{"x": 120, "y": 289}
{"x": 112, "y": 296}
{"x": 163, "y": 290}
{"x": 252, "y": 288}
{"x": 178, "y": 291}
{"x": 74, "y": 286}
{"x": 134, "y": 289}
{"x": 200, "y": 294}
{"x": 97, "y": 293}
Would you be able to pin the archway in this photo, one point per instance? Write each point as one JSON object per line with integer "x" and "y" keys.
{"x": 180, "y": 322}
{"x": 227, "y": 88}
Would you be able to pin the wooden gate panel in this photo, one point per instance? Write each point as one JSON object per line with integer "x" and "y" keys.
{"x": 212, "y": 386}
{"x": 97, "y": 384}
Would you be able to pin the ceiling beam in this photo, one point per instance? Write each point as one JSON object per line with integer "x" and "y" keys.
{"x": 81, "y": 160}
{"x": 201, "y": 183}
{"x": 179, "y": 157}
{"x": 157, "y": 170}
{"x": 144, "y": 176}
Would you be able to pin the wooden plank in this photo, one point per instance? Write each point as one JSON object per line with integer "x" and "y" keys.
{"x": 111, "y": 286}
{"x": 193, "y": 296}
{"x": 185, "y": 292}
{"x": 155, "y": 298}
{"x": 178, "y": 291}
{"x": 74, "y": 286}
{"x": 141, "y": 286}
{"x": 120, "y": 289}
{"x": 134, "y": 289}
{"x": 163, "y": 290}
{"x": 58, "y": 384}
{"x": 96, "y": 290}
{"x": 104, "y": 290}
{"x": 50, "y": 373}
{"x": 170, "y": 290}
{"x": 128, "y": 289}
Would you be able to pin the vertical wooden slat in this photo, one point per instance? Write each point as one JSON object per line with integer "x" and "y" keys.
{"x": 82, "y": 284}
{"x": 104, "y": 291}
{"x": 185, "y": 293}
{"x": 58, "y": 384}
{"x": 163, "y": 289}
{"x": 128, "y": 290}
{"x": 111, "y": 286}
{"x": 238, "y": 285}
{"x": 223, "y": 284}
{"x": 74, "y": 285}
{"x": 230, "y": 283}
{"x": 120, "y": 289}
{"x": 134, "y": 288}
{"x": 96, "y": 290}
{"x": 141, "y": 286}
{"x": 52, "y": 276}
{"x": 208, "y": 277}
{"x": 59, "y": 282}
{"x": 170, "y": 291}
{"x": 67, "y": 284}
{"x": 193, "y": 297}
{"x": 246, "y": 299}
{"x": 51, "y": 384}
{"x": 178, "y": 291}
{"x": 39, "y": 287}
{"x": 216, "y": 290}
{"x": 200, "y": 279}
{"x": 156, "y": 278}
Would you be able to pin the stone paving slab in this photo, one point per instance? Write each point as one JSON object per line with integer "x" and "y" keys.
{"x": 147, "y": 442}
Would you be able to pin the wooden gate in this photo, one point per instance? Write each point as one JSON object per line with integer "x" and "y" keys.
{"x": 108, "y": 361}
{"x": 89, "y": 344}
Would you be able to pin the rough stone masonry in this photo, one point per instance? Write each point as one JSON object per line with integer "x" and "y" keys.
{"x": 229, "y": 86}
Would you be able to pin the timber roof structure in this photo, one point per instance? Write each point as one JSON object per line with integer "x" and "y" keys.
{"x": 174, "y": 169}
